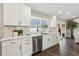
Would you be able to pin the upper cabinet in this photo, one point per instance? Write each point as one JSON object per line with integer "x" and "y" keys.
{"x": 11, "y": 14}
{"x": 17, "y": 14}
{"x": 53, "y": 22}
{"x": 25, "y": 15}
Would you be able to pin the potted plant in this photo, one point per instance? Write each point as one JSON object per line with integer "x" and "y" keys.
{"x": 71, "y": 25}
{"x": 44, "y": 27}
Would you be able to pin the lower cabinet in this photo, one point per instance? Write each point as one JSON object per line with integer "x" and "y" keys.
{"x": 49, "y": 41}
{"x": 19, "y": 47}
{"x": 76, "y": 39}
{"x": 76, "y": 36}
{"x": 45, "y": 42}
{"x": 12, "y": 51}
{"x": 11, "y": 48}
{"x": 53, "y": 40}
{"x": 26, "y": 47}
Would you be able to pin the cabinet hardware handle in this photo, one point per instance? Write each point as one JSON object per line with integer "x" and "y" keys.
{"x": 40, "y": 37}
{"x": 56, "y": 37}
{"x": 48, "y": 39}
{"x": 27, "y": 43}
{"x": 26, "y": 40}
{"x": 20, "y": 47}
{"x": 12, "y": 42}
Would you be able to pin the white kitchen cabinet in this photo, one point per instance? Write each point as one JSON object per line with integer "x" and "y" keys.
{"x": 11, "y": 14}
{"x": 12, "y": 51}
{"x": 53, "y": 40}
{"x": 76, "y": 36}
{"x": 17, "y": 47}
{"x": 76, "y": 40}
{"x": 53, "y": 22}
{"x": 27, "y": 47}
{"x": 49, "y": 41}
{"x": 23, "y": 46}
{"x": 45, "y": 42}
{"x": 25, "y": 15}
{"x": 11, "y": 48}
{"x": 17, "y": 14}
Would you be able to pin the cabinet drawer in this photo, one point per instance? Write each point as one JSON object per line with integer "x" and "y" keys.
{"x": 29, "y": 43}
{"x": 12, "y": 42}
{"x": 26, "y": 40}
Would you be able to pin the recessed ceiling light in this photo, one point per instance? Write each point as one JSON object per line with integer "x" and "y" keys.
{"x": 59, "y": 12}
{"x": 68, "y": 13}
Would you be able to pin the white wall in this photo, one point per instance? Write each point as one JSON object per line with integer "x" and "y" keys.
{"x": 1, "y": 20}
{"x": 76, "y": 31}
{"x": 68, "y": 34}
{"x": 38, "y": 14}
{"x": 53, "y": 21}
{"x": 77, "y": 20}
{"x": 9, "y": 30}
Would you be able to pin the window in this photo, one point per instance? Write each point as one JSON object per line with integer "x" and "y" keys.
{"x": 35, "y": 22}
{"x": 44, "y": 23}
{"x": 39, "y": 23}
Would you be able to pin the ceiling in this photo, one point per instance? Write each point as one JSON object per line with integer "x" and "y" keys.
{"x": 64, "y": 11}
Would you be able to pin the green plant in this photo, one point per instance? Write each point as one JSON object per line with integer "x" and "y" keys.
{"x": 71, "y": 25}
{"x": 44, "y": 26}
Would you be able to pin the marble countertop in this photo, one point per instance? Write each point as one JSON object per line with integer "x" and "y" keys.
{"x": 13, "y": 38}
{"x": 23, "y": 37}
{"x": 20, "y": 37}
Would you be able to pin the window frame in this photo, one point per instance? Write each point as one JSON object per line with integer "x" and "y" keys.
{"x": 41, "y": 18}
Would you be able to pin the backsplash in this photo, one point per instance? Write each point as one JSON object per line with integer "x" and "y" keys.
{"x": 8, "y": 30}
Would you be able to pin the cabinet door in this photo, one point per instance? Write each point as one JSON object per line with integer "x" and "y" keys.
{"x": 26, "y": 47}
{"x": 12, "y": 48}
{"x": 11, "y": 13}
{"x": 12, "y": 51}
{"x": 25, "y": 15}
{"x": 53, "y": 21}
{"x": 50, "y": 42}
{"x": 45, "y": 42}
{"x": 53, "y": 40}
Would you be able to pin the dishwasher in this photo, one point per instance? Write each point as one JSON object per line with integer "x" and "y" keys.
{"x": 37, "y": 44}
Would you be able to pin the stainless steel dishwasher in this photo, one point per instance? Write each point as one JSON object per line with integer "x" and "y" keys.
{"x": 37, "y": 44}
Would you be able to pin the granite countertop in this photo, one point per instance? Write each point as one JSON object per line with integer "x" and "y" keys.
{"x": 23, "y": 37}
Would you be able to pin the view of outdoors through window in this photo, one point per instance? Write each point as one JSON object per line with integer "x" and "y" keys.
{"x": 39, "y": 23}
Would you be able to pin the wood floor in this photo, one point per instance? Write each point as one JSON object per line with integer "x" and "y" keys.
{"x": 66, "y": 47}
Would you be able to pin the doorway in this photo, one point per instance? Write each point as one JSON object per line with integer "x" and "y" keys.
{"x": 62, "y": 29}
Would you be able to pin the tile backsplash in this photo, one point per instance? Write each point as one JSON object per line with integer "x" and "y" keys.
{"x": 8, "y": 30}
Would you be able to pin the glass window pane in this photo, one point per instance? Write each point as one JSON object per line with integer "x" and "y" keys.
{"x": 44, "y": 23}
{"x": 35, "y": 22}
